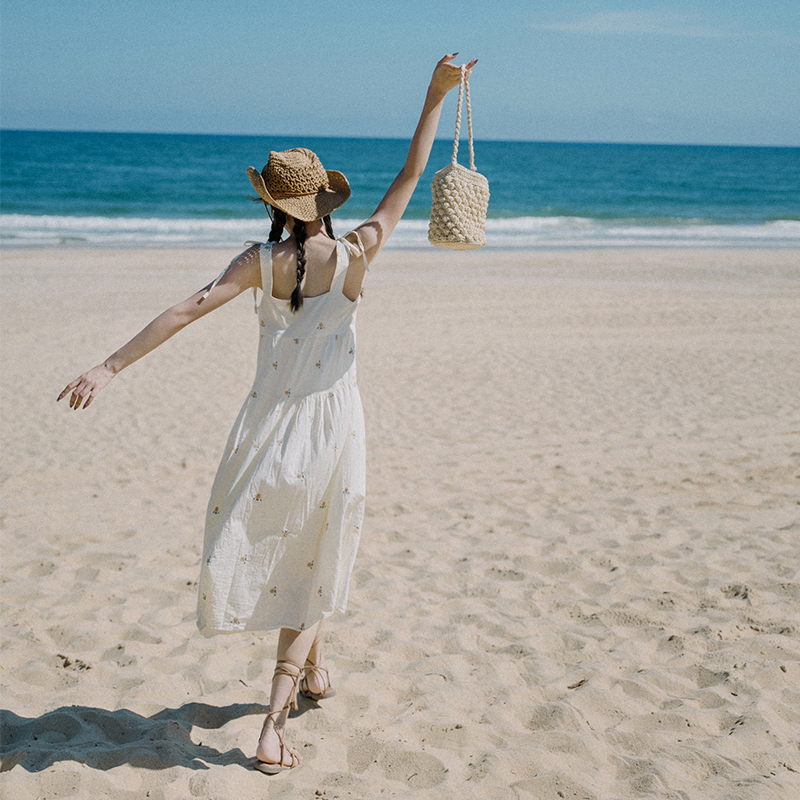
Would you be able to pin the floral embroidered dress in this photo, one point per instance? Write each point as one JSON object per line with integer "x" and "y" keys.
{"x": 286, "y": 508}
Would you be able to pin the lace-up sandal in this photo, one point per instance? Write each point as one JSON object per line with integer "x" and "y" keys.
{"x": 274, "y": 767}
{"x": 321, "y": 673}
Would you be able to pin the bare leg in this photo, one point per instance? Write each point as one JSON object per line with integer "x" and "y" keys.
{"x": 293, "y": 647}
{"x": 316, "y": 681}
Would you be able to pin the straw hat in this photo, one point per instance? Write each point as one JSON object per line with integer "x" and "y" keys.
{"x": 296, "y": 182}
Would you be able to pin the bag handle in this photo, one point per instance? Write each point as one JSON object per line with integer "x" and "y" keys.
{"x": 462, "y": 86}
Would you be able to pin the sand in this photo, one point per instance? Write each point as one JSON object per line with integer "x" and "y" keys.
{"x": 579, "y": 570}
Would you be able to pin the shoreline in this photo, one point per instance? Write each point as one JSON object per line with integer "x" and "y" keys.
{"x": 423, "y": 248}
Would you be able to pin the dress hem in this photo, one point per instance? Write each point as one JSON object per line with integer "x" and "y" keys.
{"x": 208, "y": 632}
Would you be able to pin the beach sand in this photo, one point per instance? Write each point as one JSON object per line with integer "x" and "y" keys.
{"x": 579, "y": 569}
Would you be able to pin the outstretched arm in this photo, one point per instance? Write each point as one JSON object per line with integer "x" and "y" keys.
{"x": 377, "y": 228}
{"x": 243, "y": 273}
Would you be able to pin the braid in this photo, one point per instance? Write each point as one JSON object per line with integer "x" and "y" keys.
{"x": 299, "y": 233}
{"x": 278, "y": 223}
{"x": 328, "y": 227}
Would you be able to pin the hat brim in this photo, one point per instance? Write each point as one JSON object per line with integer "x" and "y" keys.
{"x": 306, "y": 207}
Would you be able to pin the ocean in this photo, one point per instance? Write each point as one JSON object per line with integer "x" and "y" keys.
{"x": 163, "y": 190}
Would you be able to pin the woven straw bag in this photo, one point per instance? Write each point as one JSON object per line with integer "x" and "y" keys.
{"x": 460, "y": 196}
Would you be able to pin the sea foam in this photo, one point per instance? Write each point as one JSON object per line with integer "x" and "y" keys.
{"x": 25, "y": 230}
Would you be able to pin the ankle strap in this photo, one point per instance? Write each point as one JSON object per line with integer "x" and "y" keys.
{"x": 281, "y": 670}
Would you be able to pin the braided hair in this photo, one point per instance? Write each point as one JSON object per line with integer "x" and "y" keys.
{"x": 299, "y": 233}
{"x": 278, "y": 224}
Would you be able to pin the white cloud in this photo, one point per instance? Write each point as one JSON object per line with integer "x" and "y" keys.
{"x": 626, "y": 23}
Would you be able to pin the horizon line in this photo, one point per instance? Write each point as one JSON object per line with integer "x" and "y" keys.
{"x": 400, "y": 138}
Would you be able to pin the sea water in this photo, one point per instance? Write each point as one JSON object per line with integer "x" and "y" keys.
{"x": 156, "y": 190}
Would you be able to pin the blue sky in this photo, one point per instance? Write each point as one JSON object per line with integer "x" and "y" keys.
{"x": 722, "y": 72}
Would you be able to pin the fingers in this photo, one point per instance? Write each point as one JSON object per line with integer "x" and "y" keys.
{"x": 89, "y": 398}
{"x": 448, "y": 58}
{"x": 470, "y": 65}
{"x": 80, "y": 391}
{"x": 445, "y": 62}
{"x": 85, "y": 388}
{"x": 86, "y": 392}
{"x": 68, "y": 388}
{"x": 77, "y": 398}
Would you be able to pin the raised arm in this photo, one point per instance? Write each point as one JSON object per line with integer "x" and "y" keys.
{"x": 375, "y": 231}
{"x": 243, "y": 273}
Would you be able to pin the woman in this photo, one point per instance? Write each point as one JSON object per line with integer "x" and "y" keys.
{"x": 286, "y": 507}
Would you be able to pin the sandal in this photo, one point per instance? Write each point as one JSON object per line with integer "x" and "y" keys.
{"x": 274, "y": 767}
{"x": 317, "y": 672}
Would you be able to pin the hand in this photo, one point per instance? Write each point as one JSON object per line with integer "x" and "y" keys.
{"x": 447, "y": 76}
{"x": 88, "y": 386}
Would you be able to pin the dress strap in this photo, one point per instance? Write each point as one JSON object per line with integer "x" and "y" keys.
{"x": 266, "y": 270}
{"x": 216, "y": 280}
{"x": 268, "y": 289}
{"x": 355, "y": 250}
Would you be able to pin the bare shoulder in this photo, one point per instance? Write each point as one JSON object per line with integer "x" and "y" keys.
{"x": 245, "y": 269}
{"x": 246, "y": 257}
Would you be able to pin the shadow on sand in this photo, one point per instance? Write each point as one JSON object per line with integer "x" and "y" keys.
{"x": 105, "y": 739}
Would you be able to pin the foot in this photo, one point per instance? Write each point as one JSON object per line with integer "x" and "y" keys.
{"x": 273, "y": 755}
{"x": 316, "y": 682}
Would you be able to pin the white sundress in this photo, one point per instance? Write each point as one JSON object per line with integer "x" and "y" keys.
{"x": 287, "y": 504}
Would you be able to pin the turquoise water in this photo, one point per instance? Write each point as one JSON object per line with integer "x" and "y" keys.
{"x": 113, "y": 189}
